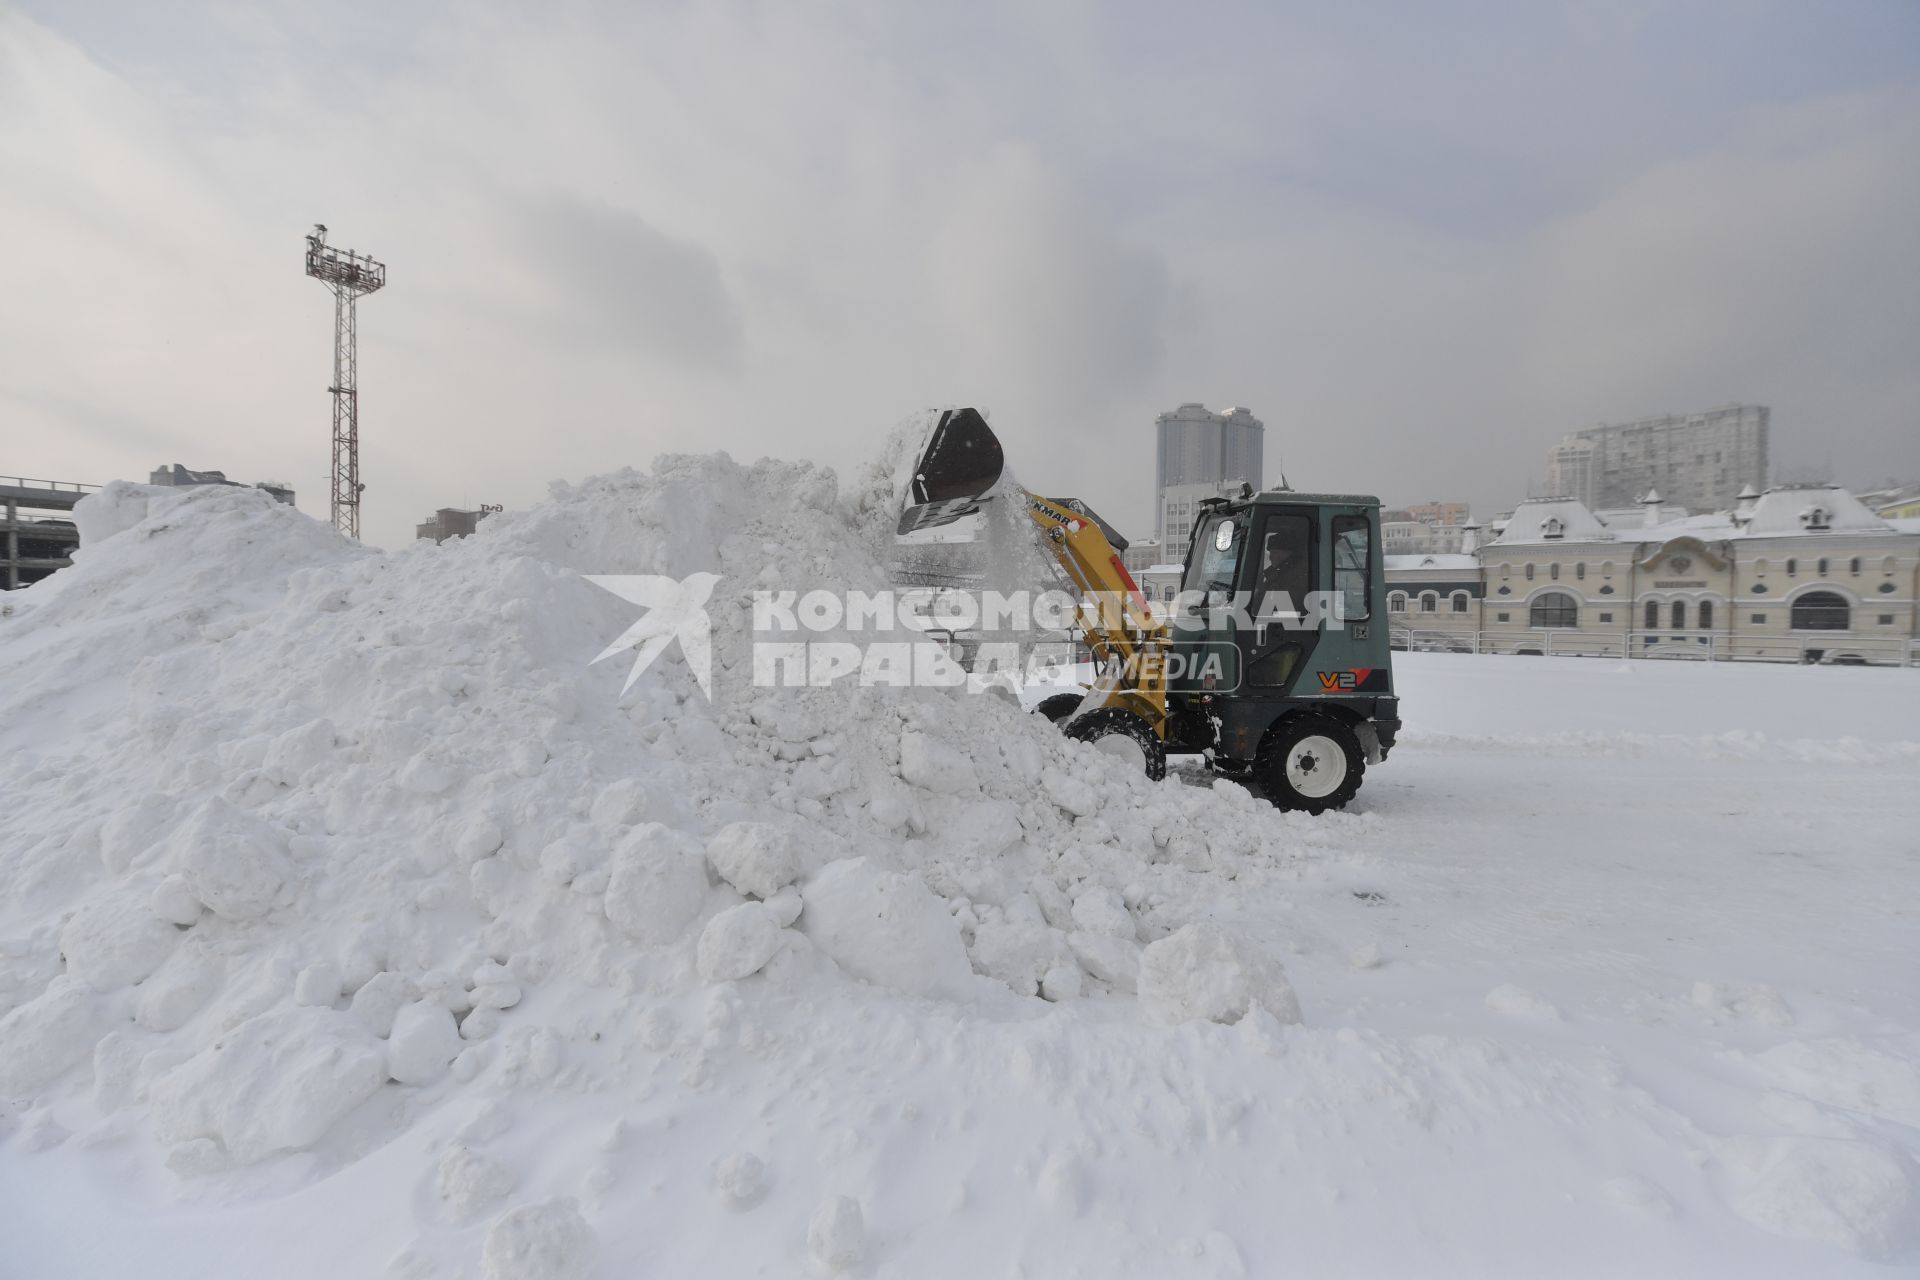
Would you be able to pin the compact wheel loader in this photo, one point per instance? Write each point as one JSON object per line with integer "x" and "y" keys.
{"x": 1272, "y": 664}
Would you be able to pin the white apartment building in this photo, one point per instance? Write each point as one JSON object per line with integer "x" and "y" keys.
{"x": 1699, "y": 460}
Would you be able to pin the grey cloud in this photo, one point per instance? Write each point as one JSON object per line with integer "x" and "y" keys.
{"x": 615, "y": 281}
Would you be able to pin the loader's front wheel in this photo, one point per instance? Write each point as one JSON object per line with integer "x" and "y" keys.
{"x": 1118, "y": 732}
{"x": 1059, "y": 706}
{"x": 1312, "y": 763}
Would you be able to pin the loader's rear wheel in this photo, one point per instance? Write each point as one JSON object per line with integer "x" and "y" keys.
{"x": 1118, "y": 732}
{"x": 1059, "y": 706}
{"x": 1311, "y": 763}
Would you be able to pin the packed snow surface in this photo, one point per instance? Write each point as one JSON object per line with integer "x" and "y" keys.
{"x": 352, "y": 923}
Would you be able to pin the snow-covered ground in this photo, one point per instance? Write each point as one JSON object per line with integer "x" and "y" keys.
{"x": 1608, "y": 971}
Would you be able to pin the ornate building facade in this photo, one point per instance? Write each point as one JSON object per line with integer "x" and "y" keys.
{"x": 1802, "y": 574}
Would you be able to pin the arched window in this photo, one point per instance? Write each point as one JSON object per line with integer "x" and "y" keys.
{"x": 1760, "y": 567}
{"x": 1461, "y": 601}
{"x": 1679, "y": 615}
{"x": 1554, "y": 609}
{"x": 1553, "y": 571}
{"x": 1429, "y": 602}
{"x": 1653, "y": 614}
{"x": 1706, "y": 615}
{"x": 1580, "y": 571}
{"x": 1853, "y": 566}
{"x": 1397, "y": 602}
{"x": 1889, "y": 564}
{"x": 1606, "y": 569}
{"x": 1821, "y": 611}
{"x": 1823, "y": 566}
{"x": 1506, "y": 571}
{"x": 1793, "y": 566}
{"x": 1529, "y": 573}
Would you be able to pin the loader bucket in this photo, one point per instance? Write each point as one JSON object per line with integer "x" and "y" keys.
{"x": 956, "y": 470}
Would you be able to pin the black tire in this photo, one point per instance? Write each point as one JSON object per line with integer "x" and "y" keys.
{"x": 1296, "y": 764}
{"x": 1119, "y": 723}
{"x": 1058, "y": 707}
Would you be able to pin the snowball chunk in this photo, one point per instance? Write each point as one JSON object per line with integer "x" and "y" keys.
{"x": 756, "y": 858}
{"x": 470, "y": 1182}
{"x": 232, "y": 861}
{"x": 739, "y": 1179}
{"x": 544, "y": 1241}
{"x": 114, "y": 941}
{"x": 424, "y": 1041}
{"x": 658, "y": 882}
{"x": 1202, "y": 971}
{"x": 837, "y": 1233}
{"x": 887, "y": 928}
{"x": 738, "y": 942}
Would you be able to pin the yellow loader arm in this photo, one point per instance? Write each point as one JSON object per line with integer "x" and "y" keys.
{"x": 1129, "y": 644}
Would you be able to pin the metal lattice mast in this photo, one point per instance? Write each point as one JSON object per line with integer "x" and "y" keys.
{"x": 348, "y": 275}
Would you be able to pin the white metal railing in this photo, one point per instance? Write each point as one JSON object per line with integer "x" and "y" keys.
{"x": 1829, "y": 647}
{"x": 57, "y": 486}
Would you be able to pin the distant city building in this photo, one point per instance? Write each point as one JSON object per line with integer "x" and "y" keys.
{"x": 1197, "y": 446}
{"x": 1425, "y": 528}
{"x": 1699, "y": 460}
{"x": 37, "y": 533}
{"x": 451, "y": 522}
{"x": 1142, "y": 554}
{"x": 1797, "y": 574}
{"x": 1894, "y": 502}
{"x": 1180, "y": 510}
{"x": 179, "y": 477}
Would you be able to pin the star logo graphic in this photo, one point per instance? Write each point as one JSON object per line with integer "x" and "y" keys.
{"x": 675, "y": 610}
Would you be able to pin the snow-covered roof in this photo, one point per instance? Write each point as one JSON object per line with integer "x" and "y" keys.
{"x": 1553, "y": 520}
{"x": 1165, "y": 568}
{"x": 1812, "y": 509}
{"x": 1437, "y": 561}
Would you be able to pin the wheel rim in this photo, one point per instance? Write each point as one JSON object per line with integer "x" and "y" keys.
{"x": 1316, "y": 766}
{"x": 1122, "y": 747}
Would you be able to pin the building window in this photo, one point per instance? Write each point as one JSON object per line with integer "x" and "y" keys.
{"x": 1679, "y": 615}
{"x": 1553, "y": 571}
{"x": 1889, "y": 564}
{"x": 1429, "y": 602}
{"x": 1580, "y": 571}
{"x": 1886, "y": 619}
{"x": 1706, "y": 615}
{"x": 1823, "y": 566}
{"x": 1760, "y": 568}
{"x": 1853, "y": 566}
{"x": 1606, "y": 617}
{"x": 1653, "y": 614}
{"x": 1506, "y": 570}
{"x": 1759, "y": 617}
{"x": 1821, "y": 611}
{"x": 1554, "y": 609}
{"x": 1460, "y": 601}
{"x": 1886, "y": 588}
{"x": 1397, "y": 602}
{"x": 1606, "y": 568}
{"x": 1814, "y": 517}
{"x": 1793, "y": 567}
{"x": 1503, "y": 617}
{"x": 1529, "y": 573}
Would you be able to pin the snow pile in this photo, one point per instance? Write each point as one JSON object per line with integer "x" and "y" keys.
{"x": 294, "y": 825}
{"x": 339, "y": 887}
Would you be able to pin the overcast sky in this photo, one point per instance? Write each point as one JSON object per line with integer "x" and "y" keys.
{"x": 1420, "y": 241}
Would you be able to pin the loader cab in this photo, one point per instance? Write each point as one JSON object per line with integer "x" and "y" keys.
{"x": 1282, "y": 615}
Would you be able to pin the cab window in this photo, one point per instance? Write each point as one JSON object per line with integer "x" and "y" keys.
{"x": 1216, "y": 555}
{"x": 1352, "y": 545}
{"x": 1286, "y": 566}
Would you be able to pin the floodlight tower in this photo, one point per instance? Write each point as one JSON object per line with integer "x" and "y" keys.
{"x": 349, "y": 275}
